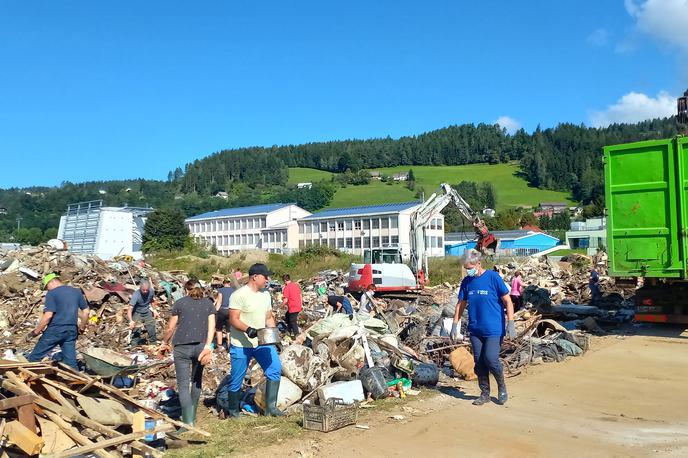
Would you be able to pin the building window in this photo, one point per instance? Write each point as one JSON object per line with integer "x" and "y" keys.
{"x": 376, "y": 223}
{"x": 395, "y": 222}
{"x": 340, "y": 243}
{"x": 357, "y": 225}
{"x": 226, "y": 240}
{"x": 331, "y": 225}
{"x": 387, "y": 239}
{"x": 331, "y": 243}
{"x": 263, "y": 223}
{"x": 271, "y": 237}
{"x": 301, "y": 244}
{"x": 323, "y": 227}
{"x": 395, "y": 239}
{"x": 440, "y": 242}
{"x": 340, "y": 226}
{"x": 300, "y": 228}
{"x": 243, "y": 239}
{"x": 349, "y": 224}
{"x": 357, "y": 242}
{"x": 349, "y": 242}
{"x": 366, "y": 242}
{"x": 366, "y": 224}
{"x": 385, "y": 223}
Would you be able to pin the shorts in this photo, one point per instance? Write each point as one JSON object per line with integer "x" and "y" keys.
{"x": 222, "y": 320}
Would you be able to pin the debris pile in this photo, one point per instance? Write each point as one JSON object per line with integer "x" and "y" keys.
{"x": 54, "y": 411}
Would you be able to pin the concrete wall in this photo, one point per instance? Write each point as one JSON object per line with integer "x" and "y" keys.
{"x": 115, "y": 235}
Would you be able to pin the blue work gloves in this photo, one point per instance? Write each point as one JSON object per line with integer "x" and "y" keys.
{"x": 511, "y": 330}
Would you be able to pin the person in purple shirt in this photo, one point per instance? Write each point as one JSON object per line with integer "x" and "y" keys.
{"x": 486, "y": 296}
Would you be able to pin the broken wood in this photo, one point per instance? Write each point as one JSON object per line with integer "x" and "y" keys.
{"x": 23, "y": 437}
{"x": 75, "y": 435}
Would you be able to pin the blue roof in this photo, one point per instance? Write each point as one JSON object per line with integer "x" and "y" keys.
{"x": 239, "y": 211}
{"x": 364, "y": 210}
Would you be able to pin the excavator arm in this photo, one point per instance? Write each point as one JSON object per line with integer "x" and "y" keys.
{"x": 486, "y": 242}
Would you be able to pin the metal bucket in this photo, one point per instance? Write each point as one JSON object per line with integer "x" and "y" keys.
{"x": 269, "y": 336}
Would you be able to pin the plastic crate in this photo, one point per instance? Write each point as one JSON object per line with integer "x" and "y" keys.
{"x": 333, "y": 415}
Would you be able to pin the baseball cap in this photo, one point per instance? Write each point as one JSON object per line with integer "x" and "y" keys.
{"x": 259, "y": 269}
{"x": 48, "y": 278}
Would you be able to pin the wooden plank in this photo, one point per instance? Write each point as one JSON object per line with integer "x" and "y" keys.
{"x": 15, "y": 385}
{"x": 57, "y": 396}
{"x": 26, "y": 417}
{"x": 139, "y": 425}
{"x": 55, "y": 439}
{"x": 122, "y": 396}
{"x": 89, "y": 384}
{"x": 76, "y": 435}
{"x": 24, "y": 438}
{"x": 109, "y": 443}
{"x": 47, "y": 381}
{"x": 16, "y": 401}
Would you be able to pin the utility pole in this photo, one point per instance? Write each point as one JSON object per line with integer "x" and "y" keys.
{"x": 682, "y": 113}
{"x": 19, "y": 220}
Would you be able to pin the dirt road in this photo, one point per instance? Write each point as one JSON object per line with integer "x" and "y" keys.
{"x": 625, "y": 397}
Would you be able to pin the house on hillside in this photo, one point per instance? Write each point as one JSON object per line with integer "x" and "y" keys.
{"x": 304, "y": 185}
{"x": 590, "y": 234}
{"x": 222, "y": 195}
{"x": 375, "y": 175}
{"x": 489, "y": 212}
{"x": 3, "y": 211}
{"x": 554, "y": 207}
{"x": 511, "y": 243}
{"x": 401, "y": 176}
{"x": 102, "y": 192}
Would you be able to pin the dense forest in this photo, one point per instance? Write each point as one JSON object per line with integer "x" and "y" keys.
{"x": 567, "y": 157}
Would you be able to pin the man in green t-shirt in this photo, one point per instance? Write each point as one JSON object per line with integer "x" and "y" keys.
{"x": 250, "y": 309}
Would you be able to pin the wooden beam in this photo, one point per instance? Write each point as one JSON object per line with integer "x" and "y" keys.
{"x": 16, "y": 401}
{"x": 26, "y": 417}
{"x": 24, "y": 438}
{"x": 108, "y": 443}
{"x": 120, "y": 395}
{"x": 75, "y": 435}
{"x": 15, "y": 385}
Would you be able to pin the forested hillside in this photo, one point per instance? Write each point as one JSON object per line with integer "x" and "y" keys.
{"x": 567, "y": 158}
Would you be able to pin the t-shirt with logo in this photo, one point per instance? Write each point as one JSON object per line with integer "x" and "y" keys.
{"x": 485, "y": 309}
{"x": 65, "y": 303}
{"x": 254, "y": 307}
{"x": 192, "y": 324}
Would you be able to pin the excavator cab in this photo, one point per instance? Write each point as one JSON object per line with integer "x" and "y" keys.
{"x": 382, "y": 256}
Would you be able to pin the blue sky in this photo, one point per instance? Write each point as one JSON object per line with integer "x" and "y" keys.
{"x": 123, "y": 89}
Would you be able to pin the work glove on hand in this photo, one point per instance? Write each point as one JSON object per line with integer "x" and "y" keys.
{"x": 251, "y": 332}
{"x": 511, "y": 330}
{"x": 455, "y": 333}
{"x": 31, "y": 335}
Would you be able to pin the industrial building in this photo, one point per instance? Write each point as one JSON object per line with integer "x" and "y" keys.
{"x": 90, "y": 228}
{"x": 284, "y": 228}
{"x": 511, "y": 243}
{"x": 270, "y": 227}
{"x": 357, "y": 228}
{"x": 590, "y": 234}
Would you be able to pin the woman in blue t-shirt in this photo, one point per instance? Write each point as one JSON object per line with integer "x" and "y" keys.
{"x": 481, "y": 290}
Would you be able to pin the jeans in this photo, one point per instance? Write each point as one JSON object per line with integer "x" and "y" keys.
{"x": 189, "y": 373}
{"x": 267, "y": 357}
{"x": 62, "y": 335}
{"x": 486, "y": 355}
{"x": 346, "y": 306}
{"x": 145, "y": 317}
{"x": 292, "y": 322}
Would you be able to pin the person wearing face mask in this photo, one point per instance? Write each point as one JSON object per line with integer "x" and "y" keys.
{"x": 486, "y": 296}
{"x": 250, "y": 309}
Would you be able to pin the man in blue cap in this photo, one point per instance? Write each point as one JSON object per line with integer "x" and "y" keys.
{"x": 64, "y": 307}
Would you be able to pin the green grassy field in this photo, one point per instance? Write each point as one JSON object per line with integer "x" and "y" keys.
{"x": 371, "y": 194}
{"x": 304, "y": 175}
{"x": 512, "y": 191}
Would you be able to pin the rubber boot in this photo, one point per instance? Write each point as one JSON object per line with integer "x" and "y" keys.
{"x": 271, "y": 390}
{"x": 234, "y": 399}
{"x": 502, "y": 395}
{"x": 484, "y": 384}
{"x": 188, "y": 417}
